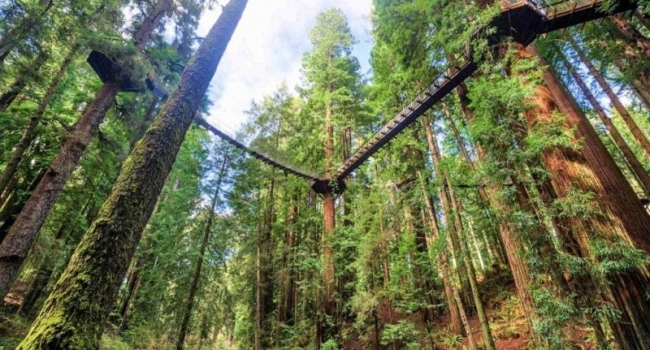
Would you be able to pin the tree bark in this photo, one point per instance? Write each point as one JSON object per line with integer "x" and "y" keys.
{"x": 634, "y": 163}
{"x": 15, "y": 205}
{"x": 74, "y": 314}
{"x": 30, "y": 131}
{"x": 27, "y": 73}
{"x": 488, "y": 341}
{"x": 452, "y": 230}
{"x": 194, "y": 285}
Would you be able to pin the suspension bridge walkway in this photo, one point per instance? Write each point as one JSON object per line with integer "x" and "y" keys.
{"x": 522, "y": 20}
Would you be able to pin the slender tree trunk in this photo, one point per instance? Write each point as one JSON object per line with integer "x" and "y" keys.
{"x": 27, "y": 73}
{"x": 447, "y": 279}
{"x": 14, "y": 35}
{"x": 7, "y": 193}
{"x": 194, "y": 285}
{"x": 464, "y": 252}
{"x": 642, "y": 17}
{"x": 30, "y": 131}
{"x": 16, "y": 246}
{"x": 75, "y": 312}
{"x": 327, "y": 319}
{"x": 449, "y": 222}
{"x": 8, "y": 97}
{"x": 638, "y": 134}
{"x": 511, "y": 244}
{"x": 45, "y": 271}
{"x": 642, "y": 92}
{"x": 634, "y": 163}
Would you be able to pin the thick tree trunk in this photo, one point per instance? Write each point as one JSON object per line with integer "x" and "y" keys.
{"x": 74, "y": 314}
{"x": 634, "y": 163}
{"x": 194, "y": 285}
{"x": 30, "y": 131}
{"x": 592, "y": 169}
{"x": 638, "y": 134}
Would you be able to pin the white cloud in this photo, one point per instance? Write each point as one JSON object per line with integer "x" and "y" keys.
{"x": 267, "y": 49}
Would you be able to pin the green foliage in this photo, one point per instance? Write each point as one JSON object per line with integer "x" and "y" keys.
{"x": 403, "y": 333}
{"x": 111, "y": 343}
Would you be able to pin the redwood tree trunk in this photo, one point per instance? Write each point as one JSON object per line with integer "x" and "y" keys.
{"x": 74, "y": 314}
{"x": 632, "y": 35}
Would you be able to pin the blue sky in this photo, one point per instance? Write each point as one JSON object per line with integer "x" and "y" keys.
{"x": 267, "y": 48}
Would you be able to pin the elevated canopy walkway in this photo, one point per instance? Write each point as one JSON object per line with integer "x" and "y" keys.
{"x": 524, "y": 21}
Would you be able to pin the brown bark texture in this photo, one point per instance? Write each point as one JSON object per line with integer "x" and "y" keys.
{"x": 23, "y": 232}
{"x": 30, "y": 131}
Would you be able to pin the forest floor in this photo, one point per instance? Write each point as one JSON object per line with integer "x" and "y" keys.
{"x": 508, "y": 324}
{"x": 507, "y": 321}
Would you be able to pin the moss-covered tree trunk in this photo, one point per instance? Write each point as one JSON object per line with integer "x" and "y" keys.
{"x": 74, "y": 314}
{"x": 16, "y": 246}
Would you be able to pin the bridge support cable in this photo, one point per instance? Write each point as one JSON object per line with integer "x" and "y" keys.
{"x": 263, "y": 158}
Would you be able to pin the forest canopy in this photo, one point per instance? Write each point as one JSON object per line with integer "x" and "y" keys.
{"x": 484, "y": 185}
